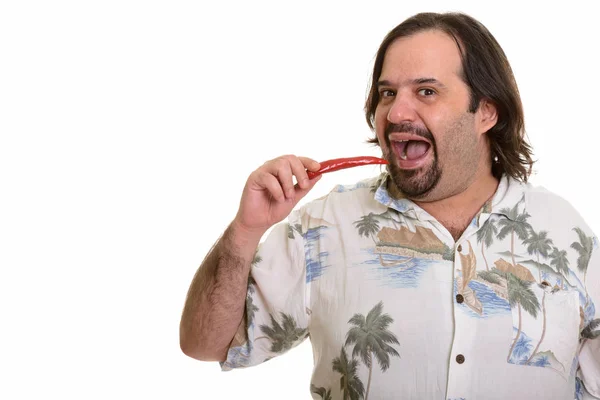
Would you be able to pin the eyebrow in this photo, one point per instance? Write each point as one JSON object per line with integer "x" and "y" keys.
{"x": 417, "y": 81}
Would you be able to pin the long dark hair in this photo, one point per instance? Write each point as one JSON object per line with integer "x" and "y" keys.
{"x": 487, "y": 73}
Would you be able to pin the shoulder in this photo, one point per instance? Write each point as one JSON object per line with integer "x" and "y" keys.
{"x": 543, "y": 203}
{"x": 344, "y": 200}
{"x": 360, "y": 191}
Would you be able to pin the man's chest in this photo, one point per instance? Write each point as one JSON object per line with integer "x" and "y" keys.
{"x": 405, "y": 297}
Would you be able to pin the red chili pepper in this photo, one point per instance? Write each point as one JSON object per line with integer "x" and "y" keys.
{"x": 343, "y": 163}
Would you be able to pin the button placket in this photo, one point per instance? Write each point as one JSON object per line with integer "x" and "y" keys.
{"x": 458, "y": 368}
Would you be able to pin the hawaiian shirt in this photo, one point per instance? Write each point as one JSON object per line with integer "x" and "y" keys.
{"x": 396, "y": 309}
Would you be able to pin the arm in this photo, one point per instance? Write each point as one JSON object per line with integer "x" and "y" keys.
{"x": 215, "y": 302}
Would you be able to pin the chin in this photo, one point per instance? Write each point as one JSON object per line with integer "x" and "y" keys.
{"x": 419, "y": 184}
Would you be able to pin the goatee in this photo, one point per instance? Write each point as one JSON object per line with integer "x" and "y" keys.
{"x": 413, "y": 183}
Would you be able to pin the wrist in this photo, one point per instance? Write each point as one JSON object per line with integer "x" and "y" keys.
{"x": 244, "y": 237}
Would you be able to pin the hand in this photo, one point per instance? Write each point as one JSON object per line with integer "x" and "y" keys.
{"x": 270, "y": 194}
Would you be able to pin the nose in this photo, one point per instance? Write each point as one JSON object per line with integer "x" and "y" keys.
{"x": 402, "y": 110}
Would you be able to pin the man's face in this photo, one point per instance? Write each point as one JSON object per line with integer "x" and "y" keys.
{"x": 431, "y": 140}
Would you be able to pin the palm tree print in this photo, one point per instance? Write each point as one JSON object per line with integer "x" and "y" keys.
{"x": 350, "y": 383}
{"x": 321, "y": 391}
{"x": 485, "y": 236}
{"x": 367, "y": 226}
{"x": 283, "y": 336}
{"x": 521, "y": 349}
{"x": 584, "y": 247}
{"x": 590, "y": 331}
{"x": 540, "y": 361}
{"x": 515, "y": 223}
{"x": 251, "y": 309}
{"x": 371, "y": 337}
{"x": 559, "y": 260}
{"x": 538, "y": 243}
{"x": 521, "y": 296}
{"x": 294, "y": 228}
{"x": 543, "y": 329}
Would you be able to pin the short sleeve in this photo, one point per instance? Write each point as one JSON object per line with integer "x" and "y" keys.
{"x": 589, "y": 354}
{"x": 275, "y": 318}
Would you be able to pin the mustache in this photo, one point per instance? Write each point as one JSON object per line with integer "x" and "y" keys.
{"x": 409, "y": 128}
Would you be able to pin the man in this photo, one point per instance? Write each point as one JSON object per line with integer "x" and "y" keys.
{"x": 448, "y": 276}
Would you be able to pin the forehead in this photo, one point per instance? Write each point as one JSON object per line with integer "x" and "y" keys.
{"x": 428, "y": 53}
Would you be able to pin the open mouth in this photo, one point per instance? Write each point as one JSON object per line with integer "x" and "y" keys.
{"x": 412, "y": 152}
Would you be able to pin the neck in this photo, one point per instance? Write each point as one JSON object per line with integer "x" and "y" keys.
{"x": 456, "y": 212}
{"x": 468, "y": 201}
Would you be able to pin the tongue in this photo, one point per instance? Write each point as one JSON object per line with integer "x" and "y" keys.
{"x": 415, "y": 149}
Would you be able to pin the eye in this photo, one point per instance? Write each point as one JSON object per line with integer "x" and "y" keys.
{"x": 426, "y": 92}
{"x": 387, "y": 93}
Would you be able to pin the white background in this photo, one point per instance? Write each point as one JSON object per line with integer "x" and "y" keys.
{"x": 128, "y": 129}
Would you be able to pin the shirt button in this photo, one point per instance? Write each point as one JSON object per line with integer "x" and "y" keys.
{"x": 460, "y": 359}
{"x": 459, "y": 298}
{"x": 459, "y": 248}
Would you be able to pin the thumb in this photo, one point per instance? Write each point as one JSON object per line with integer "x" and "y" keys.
{"x": 300, "y": 193}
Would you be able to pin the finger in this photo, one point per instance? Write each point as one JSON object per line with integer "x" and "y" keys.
{"x": 301, "y": 192}
{"x": 299, "y": 171}
{"x": 271, "y": 184}
{"x": 310, "y": 164}
{"x": 282, "y": 169}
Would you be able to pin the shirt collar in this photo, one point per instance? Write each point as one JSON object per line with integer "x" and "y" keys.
{"x": 382, "y": 195}
{"x": 508, "y": 194}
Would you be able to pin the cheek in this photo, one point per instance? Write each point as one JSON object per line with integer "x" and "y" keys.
{"x": 380, "y": 124}
{"x": 435, "y": 122}
{"x": 460, "y": 141}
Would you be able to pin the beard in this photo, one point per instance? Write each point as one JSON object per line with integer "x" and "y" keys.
{"x": 414, "y": 183}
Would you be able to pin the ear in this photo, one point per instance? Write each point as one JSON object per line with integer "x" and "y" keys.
{"x": 487, "y": 116}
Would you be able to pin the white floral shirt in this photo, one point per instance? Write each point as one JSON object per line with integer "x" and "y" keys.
{"x": 396, "y": 309}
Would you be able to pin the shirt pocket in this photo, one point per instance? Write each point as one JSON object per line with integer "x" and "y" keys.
{"x": 545, "y": 326}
